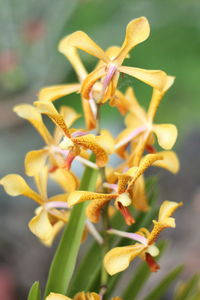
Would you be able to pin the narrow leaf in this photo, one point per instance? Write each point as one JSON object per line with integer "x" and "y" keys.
{"x": 187, "y": 289}
{"x": 34, "y": 293}
{"x": 64, "y": 261}
{"x": 163, "y": 286}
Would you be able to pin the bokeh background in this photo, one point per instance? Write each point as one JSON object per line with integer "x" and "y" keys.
{"x": 29, "y": 60}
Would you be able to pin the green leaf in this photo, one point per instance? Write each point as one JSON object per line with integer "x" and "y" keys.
{"x": 64, "y": 260}
{"x": 87, "y": 272}
{"x": 163, "y": 286}
{"x": 140, "y": 277}
{"x": 186, "y": 290}
{"x": 34, "y": 293}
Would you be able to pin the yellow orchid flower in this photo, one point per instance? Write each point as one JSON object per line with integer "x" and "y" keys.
{"x": 48, "y": 220}
{"x": 35, "y": 160}
{"x": 109, "y": 70}
{"x": 79, "y": 296}
{"x": 52, "y": 93}
{"x": 123, "y": 193}
{"x": 74, "y": 140}
{"x": 140, "y": 126}
{"x": 118, "y": 259}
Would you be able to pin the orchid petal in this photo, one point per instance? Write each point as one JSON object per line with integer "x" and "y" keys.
{"x": 55, "y": 296}
{"x": 146, "y": 162}
{"x": 89, "y": 115}
{"x": 29, "y": 112}
{"x": 72, "y": 55}
{"x": 41, "y": 182}
{"x": 41, "y": 226}
{"x": 106, "y": 141}
{"x": 66, "y": 179}
{"x": 52, "y": 93}
{"x": 121, "y": 102}
{"x": 166, "y": 135}
{"x": 157, "y": 97}
{"x": 87, "y": 296}
{"x": 93, "y": 210}
{"x": 170, "y": 161}
{"x": 90, "y": 80}
{"x": 81, "y": 40}
{"x": 118, "y": 259}
{"x": 154, "y": 78}
{"x": 15, "y": 185}
{"x": 138, "y": 195}
{"x": 90, "y": 142}
{"x": 59, "y": 198}
{"x": 137, "y": 31}
{"x": 48, "y": 109}
{"x": 69, "y": 115}
{"x": 164, "y": 219}
{"x": 81, "y": 196}
{"x": 35, "y": 161}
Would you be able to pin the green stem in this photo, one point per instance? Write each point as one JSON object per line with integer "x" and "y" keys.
{"x": 98, "y": 119}
{"x": 105, "y": 217}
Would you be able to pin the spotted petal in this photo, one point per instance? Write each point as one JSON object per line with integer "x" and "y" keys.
{"x": 48, "y": 109}
{"x": 29, "y": 112}
{"x": 15, "y": 185}
{"x": 89, "y": 142}
{"x": 164, "y": 219}
{"x": 87, "y": 296}
{"x": 93, "y": 210}
{"x": 166, "y": 134}
{"x": 146, "y": 162}
{"x": 81, "y": 196}
{"x": 52, "y": 93}
{"x": 118, "y": 259}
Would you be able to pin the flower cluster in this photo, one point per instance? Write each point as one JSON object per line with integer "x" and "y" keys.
{"x": 141, "y": 145}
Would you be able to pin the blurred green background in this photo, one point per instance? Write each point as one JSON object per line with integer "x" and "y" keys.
{"x": 29, "y": 60}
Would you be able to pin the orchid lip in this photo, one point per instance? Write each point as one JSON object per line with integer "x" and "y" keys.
{"x": 133, "y": 134}
{"x": 132, "y": 236}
